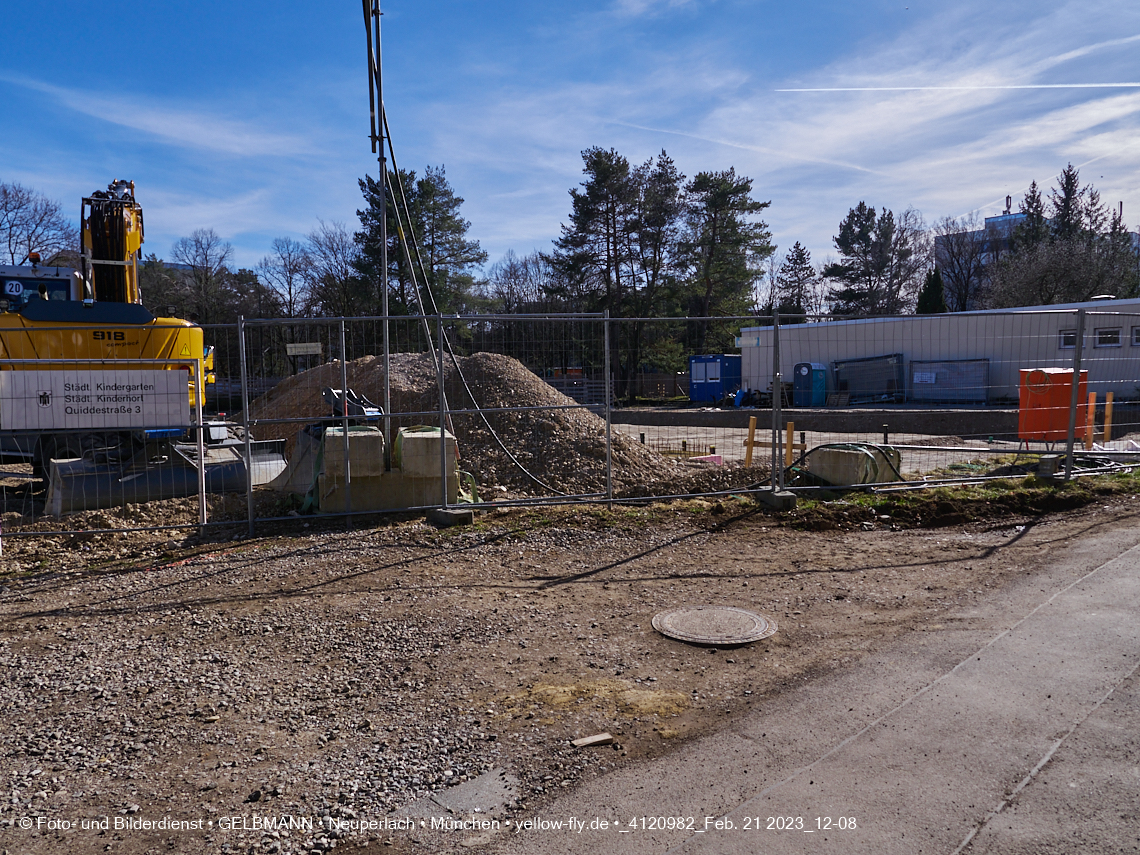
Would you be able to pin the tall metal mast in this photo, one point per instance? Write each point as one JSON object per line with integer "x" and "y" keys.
{"x": 376, "y": 100}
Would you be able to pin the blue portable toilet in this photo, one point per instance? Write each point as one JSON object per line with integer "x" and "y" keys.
{"x": 809, "y": 385}
{"x": 713, "y": 377}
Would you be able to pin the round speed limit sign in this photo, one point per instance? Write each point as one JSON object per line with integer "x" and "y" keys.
{"x": 13, "y": 288}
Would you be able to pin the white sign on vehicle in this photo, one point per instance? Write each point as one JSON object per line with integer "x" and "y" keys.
{"x": 116, "y": 400}
{"x": 303, "y": 348}
{"x": 13, "y": 288}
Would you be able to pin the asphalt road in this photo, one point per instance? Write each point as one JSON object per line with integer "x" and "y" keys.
{"x": 1010, "y": 727}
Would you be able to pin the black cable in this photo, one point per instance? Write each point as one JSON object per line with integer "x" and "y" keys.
{"x": 431, "y": 297}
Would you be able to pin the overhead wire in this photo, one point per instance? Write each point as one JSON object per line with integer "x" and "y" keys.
{"x": 372, "y": 16}
{"x": 405, "y": 237}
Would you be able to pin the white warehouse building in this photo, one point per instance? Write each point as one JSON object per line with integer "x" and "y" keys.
{"x": 959, "y": 358}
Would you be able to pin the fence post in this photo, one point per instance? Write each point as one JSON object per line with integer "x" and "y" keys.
{"x": 344, "y": 423}
{"x": 1090, "y": 423}
{"x": 1074, "y": 400}
{"x": 609, "y": 439}
{"x": 245, "y": 424}
{"x": 777, "y": 404}
{"x": 199, "y": 393}
{"x": 442, "y": 415}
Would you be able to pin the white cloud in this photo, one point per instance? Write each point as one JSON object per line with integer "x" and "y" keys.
{"x": 644, "y": 7}
{"x": 185, "y": 128}
{"x": 780, "y": 154}
{"x": 947, "y": 131}
{"x": 1085, "y": 50}
{"x": 945, "y": 124}
{"x": 966, "y": 88}
{"x": 944, "y": 131}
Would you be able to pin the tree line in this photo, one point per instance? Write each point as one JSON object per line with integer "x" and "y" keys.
{"x": 644, "y": 241}
{"x": 641, "y": 240}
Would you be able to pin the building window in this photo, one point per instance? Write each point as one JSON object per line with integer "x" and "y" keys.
{"x": 1107, "y": 337}
{"x": 1136, "y": 336}
{"x": 1068, "y": 339}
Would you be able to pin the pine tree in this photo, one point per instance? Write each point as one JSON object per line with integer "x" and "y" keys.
{"x": 882, "y": 260}
{"x": 1079, "y": 251}
{"x": 931, "y": 299}
{"x": 796, "y": 282}
{"x": 725, "y": 248}
{"x": 1068, "y": 203}
{"x": 594, "y": 255}
{"x": 437, "y": 229}
{"x": 1034, "y": 228}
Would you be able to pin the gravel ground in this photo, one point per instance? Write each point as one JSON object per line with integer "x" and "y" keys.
{"x": 324, "y": 673}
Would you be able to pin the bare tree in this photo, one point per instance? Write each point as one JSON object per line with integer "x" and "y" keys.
{"x": 288, "y": 269}
{"x": 516, "y": 285}
{"x": 1067, "y": 270}
{"x": 507, "y": 286}
{"x": 165, "y": 290}
{"x": 961, "y": 253}
{"x": 911, "y": 256}
{"x": 766, "y": 292}
{"x": 207, "y": 257}
{"x": 335, "y": 287}
{"x": 1079, "y": 251}
{"x": 31, "y": 222}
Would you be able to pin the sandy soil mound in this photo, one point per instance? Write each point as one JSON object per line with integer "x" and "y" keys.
{"x": 563, "y": 448}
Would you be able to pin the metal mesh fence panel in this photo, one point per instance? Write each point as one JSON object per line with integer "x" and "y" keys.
{"x": 519, "y": 412}
{"x": 493, "y": 410}
{"x": 1111, "y": 355}
{"x": 933, "y": 399}
{"x": 99, "y": 423}
{"x": 700, "y": 433}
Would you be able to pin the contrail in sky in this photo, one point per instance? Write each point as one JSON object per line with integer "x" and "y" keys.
{"x": 965, "y": 88}
{"x": 746, "y": 147}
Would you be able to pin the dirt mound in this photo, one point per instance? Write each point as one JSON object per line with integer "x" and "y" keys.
{"x": 563, "y": 448}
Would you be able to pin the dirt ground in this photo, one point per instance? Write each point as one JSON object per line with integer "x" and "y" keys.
{"x": 327, "y": 673}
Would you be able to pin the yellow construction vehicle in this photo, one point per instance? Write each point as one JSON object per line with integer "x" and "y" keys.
{"x": 86, "y": 371}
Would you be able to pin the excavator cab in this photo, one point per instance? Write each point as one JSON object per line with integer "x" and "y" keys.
{"x": 20, "y": 286}
{"x": 117, "y": 391}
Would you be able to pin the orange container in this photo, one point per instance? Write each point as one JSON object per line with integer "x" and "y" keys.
{"x": 1045, "y": 399}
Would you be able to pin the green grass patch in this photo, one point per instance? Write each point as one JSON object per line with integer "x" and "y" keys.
{"x": 956, "y": 505}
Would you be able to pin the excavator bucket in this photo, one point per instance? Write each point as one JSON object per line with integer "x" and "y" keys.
{"x": 83, "y": 485}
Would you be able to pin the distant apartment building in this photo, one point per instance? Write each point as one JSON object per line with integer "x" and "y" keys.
{"x": 965, "y": 258}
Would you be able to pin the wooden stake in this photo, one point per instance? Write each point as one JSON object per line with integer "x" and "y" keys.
{"x": 1090, "y": 422}
{"x": 1108, "y": 417}
{"x": 788, "y": 455}
{"x": 751, "y": 440}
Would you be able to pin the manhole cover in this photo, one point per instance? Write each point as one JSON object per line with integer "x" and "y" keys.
{"x": 714, "y": 625}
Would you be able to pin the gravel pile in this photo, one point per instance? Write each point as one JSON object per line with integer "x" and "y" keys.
{"x": 564, "y": 449}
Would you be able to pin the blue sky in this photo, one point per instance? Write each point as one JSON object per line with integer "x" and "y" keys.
{"x": 251, "y": 117}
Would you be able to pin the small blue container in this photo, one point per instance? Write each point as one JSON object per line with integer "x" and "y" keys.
{"x": 713, "y": 377}
{"x": 809, "y": 385}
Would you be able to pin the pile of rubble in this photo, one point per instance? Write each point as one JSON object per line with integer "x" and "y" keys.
{"x": 559, "y": 446}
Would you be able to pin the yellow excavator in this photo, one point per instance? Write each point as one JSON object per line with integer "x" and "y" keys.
{"x": 90, "y": 376}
